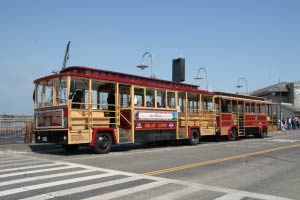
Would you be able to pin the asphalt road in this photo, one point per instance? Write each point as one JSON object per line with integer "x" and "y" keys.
{"x": 245, "y": 169}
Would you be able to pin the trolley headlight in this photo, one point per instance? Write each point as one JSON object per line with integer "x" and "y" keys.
{"x": 65, "y": 138}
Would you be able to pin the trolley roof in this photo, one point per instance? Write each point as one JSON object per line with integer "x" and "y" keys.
{"x": 242, "y": 97}
{"x": 83, "y": 71}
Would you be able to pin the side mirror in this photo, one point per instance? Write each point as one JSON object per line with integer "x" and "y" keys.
{"x": 33, "y": 96}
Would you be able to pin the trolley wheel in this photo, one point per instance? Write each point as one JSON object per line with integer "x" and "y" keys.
{"x": 194, "y": 137}
{"x": 233, "y": 135}
{"x": 103, "y": 143}
{"x": 264, "y": 133}
{"x": 70, "y": 147}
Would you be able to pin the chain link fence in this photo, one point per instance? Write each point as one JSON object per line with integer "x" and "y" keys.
{"x": 13, "y": 129}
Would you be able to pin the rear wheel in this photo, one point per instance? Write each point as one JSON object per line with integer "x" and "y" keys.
{"x": 103, "y": 143}
{"x": 263, "y": 133}
{"x": 233, "y": 135}
{"x": 194, "y": 137}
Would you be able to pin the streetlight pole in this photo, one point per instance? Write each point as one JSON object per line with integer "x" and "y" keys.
{"x": 198, "y": 75}
{"x": 142, "y": 66}
{"x": 280, "y": 100}
{"x": 239, "y": 84}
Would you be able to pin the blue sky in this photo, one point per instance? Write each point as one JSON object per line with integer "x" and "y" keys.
{"x": 255, "y": 39}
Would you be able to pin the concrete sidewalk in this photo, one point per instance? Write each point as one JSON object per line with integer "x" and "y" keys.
{"x": 27, "y": 147}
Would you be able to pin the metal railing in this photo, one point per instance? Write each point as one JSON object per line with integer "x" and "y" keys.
{"x": 13, "y": 130}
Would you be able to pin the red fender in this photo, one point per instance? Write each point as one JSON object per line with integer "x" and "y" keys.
{"x": 97, "y": 130}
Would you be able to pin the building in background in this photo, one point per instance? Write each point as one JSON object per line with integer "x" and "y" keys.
{"x": 288, "y": 93}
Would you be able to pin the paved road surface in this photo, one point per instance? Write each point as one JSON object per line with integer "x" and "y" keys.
{"x": 247, "y": 169}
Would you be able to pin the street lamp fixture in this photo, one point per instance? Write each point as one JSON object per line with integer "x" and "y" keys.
{"x": 142, "y": 66}
{"x": 198, "y": 77}
{"x": 239, "y": 85}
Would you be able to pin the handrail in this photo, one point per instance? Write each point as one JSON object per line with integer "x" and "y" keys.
{"x": 126, "y": 119}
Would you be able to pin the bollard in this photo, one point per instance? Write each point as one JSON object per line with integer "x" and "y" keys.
{"x": 28, "y": 135}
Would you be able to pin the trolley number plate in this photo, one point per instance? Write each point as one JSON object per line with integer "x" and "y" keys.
{"x": 44, "y": 139}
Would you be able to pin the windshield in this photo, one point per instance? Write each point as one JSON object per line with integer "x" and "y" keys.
{"x": 51, "y": 93}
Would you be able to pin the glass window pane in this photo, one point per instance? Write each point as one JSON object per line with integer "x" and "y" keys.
{"x": 171, "y": 100}
{"x": 248, "y": 108}
{"x": 61, "y": 92}
{"x": 150, "y": 98}
{"x": 139, "y": 96}
{"x": 161, "y": 98}
{"x": 124, "y": 95}
{"x": 79, "y": 93}
{"x": 207, "y": 104}
{"x": 181, "y": 102}
{"x": 39, "y": 95}
{"x": 49, "y": 93}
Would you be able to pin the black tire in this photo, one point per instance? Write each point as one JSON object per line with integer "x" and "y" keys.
{"x": 264, "y": 133}
{"x": 70, "y": 147}
{"x": 194, "y": 137}
{"x": 103, "y": 143}
{"x": 233, "y": 135}
{"x": 218, "y": 137}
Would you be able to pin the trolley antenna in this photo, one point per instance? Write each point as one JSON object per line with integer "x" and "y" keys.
{"x": 66, "y": 58}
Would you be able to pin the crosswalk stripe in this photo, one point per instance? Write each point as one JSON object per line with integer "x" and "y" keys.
{"x": 23, "y": 180}
{"x": 242, "y": 195}
{"x": 35, "y": 171}
{"x": 21, "y": 163}
{"x": 128, "y": 191}
{"x": 15, "y": 160}
{"x": 81, "y": 189}
{"x": 29, "y": 167}
{"x": 230, "y": 197}
{"x": 179, "y": 193}
{"x": 55, "y": 183}
{"x": 2, "y": 158}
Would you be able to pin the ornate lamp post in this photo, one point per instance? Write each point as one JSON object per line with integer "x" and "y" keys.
{"x": 198, "y": 77}
{"x": 238, "y": 85}
{"x": 280, "y": 100}
{"x": 142, "y": 66}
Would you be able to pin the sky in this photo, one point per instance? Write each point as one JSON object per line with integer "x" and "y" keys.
{"x": 258, "y": 40}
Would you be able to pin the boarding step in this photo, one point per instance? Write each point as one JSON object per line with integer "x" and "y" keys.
{"x": 241, "y": 131}
{"x": 125, "y": 136}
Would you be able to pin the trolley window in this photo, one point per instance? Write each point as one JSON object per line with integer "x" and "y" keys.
{"x": 139, "y": 94}
{"x": 171, "y": 99}
{"x": 161, "y": 98}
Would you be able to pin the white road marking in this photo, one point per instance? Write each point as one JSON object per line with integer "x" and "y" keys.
{"x": 284, "y": 140}
{"x": 35, "y": 171}
{"x": 11, "y": 157}
{"x": 21, "y": 163}
{"x": 128, "y": 191}
{"x": 180, "y": 193}
{"x": 230, "y": 197}
{"x": 55, "y": 183}
{"x": 27, "y": 167}
{"x": 81, "y": 189}
{"x": 238, "y": 195}
{"x": 23, "y": 180}
{"x": 14, "y": 161}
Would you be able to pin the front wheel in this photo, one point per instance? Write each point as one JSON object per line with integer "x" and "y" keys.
{"x": 103, "y": 143}
{"x": 194, "y": 137}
